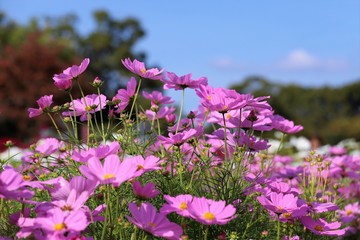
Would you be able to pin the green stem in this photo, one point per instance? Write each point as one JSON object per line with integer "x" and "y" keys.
{"x": 181, "y": 109}
{"x": 101, "y": 117}
{"x": 56, "y": 126}
{"x": 135, "y": 97}
{"x": 225, "y": 137}
{"x": 278, "y": 228}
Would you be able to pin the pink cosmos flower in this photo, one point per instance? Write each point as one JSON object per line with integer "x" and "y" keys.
{"x": 139, "y": 69}
{"x": 219, "y": 99}
{"x": 75, "y": 201}
{"x": 208, "y": 212}
{"x": 113, "y": 171}
{"x": 87, "y": 105}
{"x": 58, "y": 222}
{"x": 141, "y": 165}
{"x": 157, "y": 98}
{"x": 61, "y": 188}
{"x": 350, "y": 212}
{"x": 100, "y": 152}
{"x": 284, "y": 125}
{"x": 125, "y": 95}
{"x": 44, "y": 103}
{"x": 177, "y": 139}
{"x": 279, "y": 202}
{"x": 321, "y": 227}
{"x": 147, "y": 219}
{"x": 12, "y": 185}
{"x": 49, "y": 146}
{"x": 63, "y": 80}
{"x": 146, "y": 192}
{"x": 162, "y": 113}
{"x": 180, "y": 83}
{"x": 178, "y": 204}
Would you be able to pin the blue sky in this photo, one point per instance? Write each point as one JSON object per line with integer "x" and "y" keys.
{"x": 312, "y": 43}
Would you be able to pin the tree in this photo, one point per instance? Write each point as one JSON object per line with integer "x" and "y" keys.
{"x": 30, "y": 55}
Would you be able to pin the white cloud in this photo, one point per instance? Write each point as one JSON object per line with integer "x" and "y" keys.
{"x": 300, "y": 59}
{"x": 227, "y": 63}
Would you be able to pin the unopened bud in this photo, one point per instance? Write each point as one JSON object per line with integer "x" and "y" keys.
{"x": 97, "y": 82}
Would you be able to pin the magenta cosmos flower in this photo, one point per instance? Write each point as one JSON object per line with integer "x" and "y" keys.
{"x": 86, "y": 105}
{"x": 113, "y": 171}
{"x": 139, "y": 69}
{"x": 178, "y": 204}
{"x": 208, "y": 212}
{"x": 147, "y": 219}
{"x": 64, "y": 80}
{"x": 180, "y": 83}
{"x": 147, "y": 191}
{"x": 44, "y": 103}
{"x": 321, "y": 227}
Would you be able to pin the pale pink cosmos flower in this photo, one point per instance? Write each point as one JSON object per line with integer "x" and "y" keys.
{"x": 286, "y": 126}
{"x": 58, "y": 222}
{"x": 64, "y": 80}
{"x": 112, "y": 172}
{"x": 147, "y": 191}
{"x": 148, "y": 219}
{"x": 86, "y": 106}
{"x": 279, "y": 202}
{"x": 150, "y": 163}
{"x": 321, "y": 227}
{"x": 125, "y": 95}
{"x": 44, "y": 103}
{"x": 139, "y": 69}
{"x": 350, "y": 212}
{"x": 100, "y": 152}
{"x": 177, "y": 139}
{"x": 60, "y": 188}
{"x": 219, "y": 99}
{"x": 182, "y": 82}
{"x": 13, "y": 186}
{"x": 178, "y": 204}
{"x": 162, "y": 113}
{"x": 157, "y": 98}
{"x": 208, "y": 212}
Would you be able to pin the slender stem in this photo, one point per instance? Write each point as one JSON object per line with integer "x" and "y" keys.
{"x": 101, "y": 117}
{"x": 225, "y": 137}
{"x": 135, "y": 97}
{"x": 181, "y": 109}
{"x": 206, "y": 232}
{"x": 278, "y": 228}
{"x": 73, "y": 122}
{"x": 56, "y": 126}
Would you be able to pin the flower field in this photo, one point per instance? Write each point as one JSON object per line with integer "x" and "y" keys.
{"x": 161, "y": 173}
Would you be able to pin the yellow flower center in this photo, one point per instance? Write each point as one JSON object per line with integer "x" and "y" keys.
{"x": 228, "y": 116}
{"x": 319, "y": 228}
{"x": 183, "y": 206}
{"x": 88, "y": 108}
{"x": 59, "y": 226}
{"x": 109, "y": 175}
{"x": 287, "y": 215}
{"x": 349, "y": 212}
{"x": 66, "y": 208}
{"x": 139, "y": 167}
{"x": 209, "y": 97}
{"x": 151, "y": 224}
{"x": 209, "y": 216}
{"x": 143, "y": 71}
{"x": 26, "y": 177}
